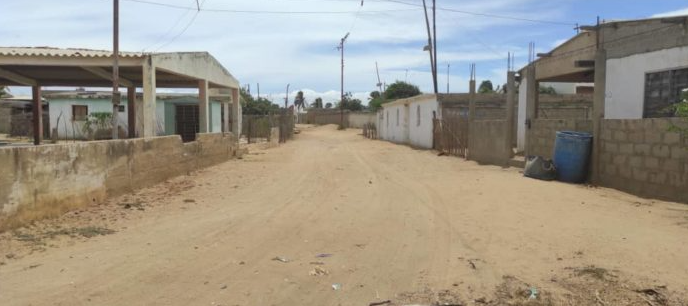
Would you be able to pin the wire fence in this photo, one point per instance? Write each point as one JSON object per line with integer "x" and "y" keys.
{"x": 258, "y": 128}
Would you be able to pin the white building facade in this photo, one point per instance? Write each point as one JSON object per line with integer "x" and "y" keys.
{"x": 409, "y": 121}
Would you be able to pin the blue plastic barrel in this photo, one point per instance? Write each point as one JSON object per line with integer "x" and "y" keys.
{"x": 572, "y": 155}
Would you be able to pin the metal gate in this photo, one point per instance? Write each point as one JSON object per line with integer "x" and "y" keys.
{"x": 450, "y": 134}
{"x": 187, "y": 124}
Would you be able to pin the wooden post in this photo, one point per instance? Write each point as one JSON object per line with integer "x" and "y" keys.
{"x": 131, "y": 111}
{"x": 225, "y": 124}
{"x": 37, "y": 115}
{"x": 236, "y": 114}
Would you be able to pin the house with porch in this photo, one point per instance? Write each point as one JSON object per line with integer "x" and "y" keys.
{"x": 175, "y": 114}
{"x": 639, "y": 69}
{"x": 52, "y": 67}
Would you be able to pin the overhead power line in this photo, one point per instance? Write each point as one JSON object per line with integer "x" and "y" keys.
{"x": 486, "y": 14}
{"x": 188, "y": 25}
{"x": 265, "y": 12}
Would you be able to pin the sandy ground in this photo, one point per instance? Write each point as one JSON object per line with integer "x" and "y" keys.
{"x": 389, "y": 223}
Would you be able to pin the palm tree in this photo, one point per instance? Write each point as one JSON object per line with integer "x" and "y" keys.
{"x": 300, "y": 101}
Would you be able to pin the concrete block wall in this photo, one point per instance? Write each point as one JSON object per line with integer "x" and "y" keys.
{"x": 326, "y": 116}
{"x": 45, "y": 181}
{"x": 358, "y": 120}
{"x": 486, "y": 142}
{"x": 543, "y": 132}
{"x": 643, "y": 157}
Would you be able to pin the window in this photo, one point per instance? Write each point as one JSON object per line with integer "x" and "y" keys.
{"x": 79, "y": 112}
{"x": 662, "y": 90}
{"x": 120, "y": 108}
{"x": 397, "y": 117}
{"x": 418, "y": 115}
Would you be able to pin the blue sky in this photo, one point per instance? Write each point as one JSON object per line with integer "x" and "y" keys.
{"x": 277, "y": 49}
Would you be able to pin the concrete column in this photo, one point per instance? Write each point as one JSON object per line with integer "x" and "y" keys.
{"x": 532, "y": 93}
{"x": 471, "y": 101}
{"x": 598, "y": 106}
{"x": 131, "y": 111}
{"x": 203, "y": 107}
{"x": 471, "y": 115}
{"x": 147, "y": 124}
{"x": 236, "y": 114}
{"x": 225, "y": 122}
{"x": 510, "y": 114}
{"x": 37, "y": 115}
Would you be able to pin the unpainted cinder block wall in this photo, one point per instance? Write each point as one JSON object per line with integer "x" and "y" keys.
{"x": 486, "y": 142}
{"x": 46, "y": 181}
{"x": 543, "y": 132}
{"x": 643, "y": 157}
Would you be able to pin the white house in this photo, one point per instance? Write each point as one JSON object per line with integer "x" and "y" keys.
{"x": 174, "y": 114}
{"x": 409, "y": 121}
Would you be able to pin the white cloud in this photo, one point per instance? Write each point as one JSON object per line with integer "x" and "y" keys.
{"x": 680, "y": 12}
{"x": 276, "y": 49}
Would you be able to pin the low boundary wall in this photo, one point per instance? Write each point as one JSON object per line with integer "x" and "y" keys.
{"x": 487, "y": 142}
{"x": 645, "y": 158}
{"x": 46, "y": 181}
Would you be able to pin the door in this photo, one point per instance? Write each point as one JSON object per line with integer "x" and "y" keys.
{"x": 186, "y": 121}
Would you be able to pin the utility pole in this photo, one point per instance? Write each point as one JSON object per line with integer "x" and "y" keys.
{"x": 286, "y": 98}
{"x": 258, "y": 88}
{"x": 116, "y": 96}
{"x": 341, "y": 102}
{"x": 430, "y": 48}
{"x": 448, "y": 66}
{"x": 434, "y": 40}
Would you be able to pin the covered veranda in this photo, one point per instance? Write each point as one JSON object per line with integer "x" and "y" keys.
{"x": 47, "y": 67}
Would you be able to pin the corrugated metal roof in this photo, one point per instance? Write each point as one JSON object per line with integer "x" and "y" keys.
{"x": 57, "y": 52}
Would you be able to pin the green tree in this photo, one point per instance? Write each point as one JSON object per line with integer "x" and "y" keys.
{"x": 4, "y": 91}
{"x": 681, "y": 110}
{"x": 328, "y": 105}
{"x": 375, "y": 101}
{"x": 549, "y": 90}
{"x": 260, "y": 106}
{"x": 300, "y": 101}
{"x": 486, "y": 87}
{"x": 401, "y": 90}
{"x": 350, "y": 103}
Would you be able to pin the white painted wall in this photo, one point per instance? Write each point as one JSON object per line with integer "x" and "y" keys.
{"x": 215, "y": 117}
{"x": 160, "y": 118}
{"x": 395, "y": 130}
{"x": 625, "y": 94}
{"x": 62, "y": 108}
{"x": 522, "y": 114}
{"x": 420, "y": 133}
{"x": 408, "y": 130}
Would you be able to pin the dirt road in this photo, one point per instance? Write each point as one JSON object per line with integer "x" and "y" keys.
{"x": 390, "y": 223}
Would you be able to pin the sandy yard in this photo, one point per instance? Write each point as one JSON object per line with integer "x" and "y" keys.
{"x": 332, "y": 218}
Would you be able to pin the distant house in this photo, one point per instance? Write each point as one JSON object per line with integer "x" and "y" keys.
{"x": 176, "y": 114}
{"x": 409, "y": 121}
